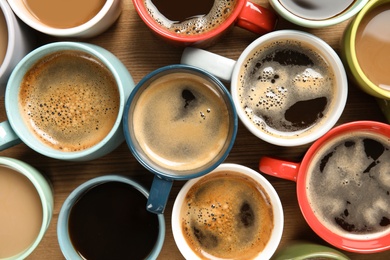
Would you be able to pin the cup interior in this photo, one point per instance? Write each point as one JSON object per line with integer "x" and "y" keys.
{"x": 359, "y": 243}
{"x": 145, "y": 158}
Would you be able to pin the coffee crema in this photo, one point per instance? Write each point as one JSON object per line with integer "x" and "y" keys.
{"x": 64, "y": 14}
{"x": 181, "y": 121}
{"x": 316, "y": 10}
{"x": 348, "y": 184}
{"x": 21, "y": 212}
{"x": 69, "y": 100}
{"x": 373, "y": 46}
{"x": 190, "y": 17}
{"x": 227, "y": 216}
{"x": 279, "y": 81}
{"x": 3, "y": 37}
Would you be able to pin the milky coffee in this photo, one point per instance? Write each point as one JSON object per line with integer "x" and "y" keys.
{"x": 3, "y": 37}
{"x": 21, "y": 212}
{"x": 69, "y": 100}
{"x": 190, "y": 17}
{"x": 286, "y": 88}
{"x": 227, "y": 216}
{"x": 181, "y": 121}
{"x": 64, "y": 14}
{"x": 348, "y": 184}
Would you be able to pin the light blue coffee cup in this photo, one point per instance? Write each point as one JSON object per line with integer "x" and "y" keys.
{"x": 15, "y": 130}
{"x": 62, "y": 225}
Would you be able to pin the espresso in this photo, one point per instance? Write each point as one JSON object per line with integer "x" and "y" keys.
{"x": 316, "y": 10}
{"x": 190, "y": 17}
{"x": 110, "y": 221}
{"x": 64, "y": 14}
{"x": 373, "y": 46}
{"x": 348, "y": 184}
{"x": 227, "y": 216}
{"x": 21, "y": 212}
{"x": 3, "y": 37}
{"x": 286, "y": 88}
{"x": 181, "y": 122}
{"x": 69, "y": 100}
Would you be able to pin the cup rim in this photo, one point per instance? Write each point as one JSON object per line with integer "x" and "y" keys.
{"x": 276, "y": 236}
{"x": 155, "y": 27}
{"x": 26, "y": 170}
{"x": 10, "y": 21}
{"x": 62, "y": 224}
{"x": 340, "y": 96}
{"x": 166, "y": 172}
{"x": 355, "y": 24}
{"x": 350, "y": 243}
{"x": 74, "y": 31}
{"x": 345, "y": 15}
{"x": 11, "y": 96}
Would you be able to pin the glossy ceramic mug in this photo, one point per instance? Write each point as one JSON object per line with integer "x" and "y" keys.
{"x": 342, "y": 185}
{"x": 16, "y": 129}
{"x": 26, "y": 208}
{"x": 242, "y": 13}
{"x": 232, "y": 212}
{"x": 100, "y": 21}
{"x": 17, "y": 41}
{"x": 317, "y": 14}
{"x": 112, "y": 202}
{"x": 265, "y": 98}
{"x": 179, "y": 123}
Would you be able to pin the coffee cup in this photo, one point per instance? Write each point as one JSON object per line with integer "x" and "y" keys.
{"x": 179, "y": 123}
{"x": 72, "y": 18}
{"x": 300, "y": 250}
{"x": 65, "y": 100}
{"x": 232, "y": 212}
{"x": 317, "y": 14}
{"x": 384, "y": 105}
{"x": 202, "y": 23}
{"x": 106, "y": 218}
{"x": 26, "y": 208}
{"x": 16, "y": 40}
{"x": 366, "y": 46}
{"x": 275, "y": 79}
{"x": 342, "y": 185}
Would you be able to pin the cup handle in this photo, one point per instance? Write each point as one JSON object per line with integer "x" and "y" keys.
{"x": 158, "y": 195}
{"x": 256, "y": 18}
{"x": 279, "y": 168}
{"x": 8, "y": 137}
{"x": 217, "y": 65}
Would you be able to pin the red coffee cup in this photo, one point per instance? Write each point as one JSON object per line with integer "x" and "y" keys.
{"x": 244, "y": 14}
{"x": 339, "y": 184}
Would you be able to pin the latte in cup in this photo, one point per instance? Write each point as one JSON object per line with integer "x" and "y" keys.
{"x": 227, "y": 216}
{"x": 286, "y": 88}
{"x": 348, "y": 184}
{"x": 190, "y": 17}
{"x": 69, "y": 100}
{"x": 181, "y": 122}
{"x": 3, "y": 37}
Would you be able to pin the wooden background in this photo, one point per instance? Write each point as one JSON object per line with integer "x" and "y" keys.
{"x": 131, "y": 41}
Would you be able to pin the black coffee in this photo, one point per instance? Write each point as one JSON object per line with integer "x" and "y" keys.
{"x": 349, "y": 184}
{"x": 286, "y": 88}
{"x": 317, "y": 10}
{"x": 110, "y": 221}
{"x": 190, "y": 17}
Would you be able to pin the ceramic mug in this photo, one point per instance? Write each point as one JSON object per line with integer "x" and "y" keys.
{"x": 17, "y": 41}
{"x": 18, "y": 129}
{"x": 275, "y": 79}
{"x": 36, "y": 17}
{"x": 26, "y": 208}
{"x": 341, "y": 185}
{"x": 108, "y": 225}
{"x": 222, "y": 16}
{"x": 231, "y": 213}
{"x": 179, "y": 123}
{"x": 319, "y": 14}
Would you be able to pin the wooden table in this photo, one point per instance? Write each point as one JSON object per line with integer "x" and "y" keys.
{"x": 131, "y": 41}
